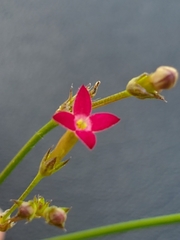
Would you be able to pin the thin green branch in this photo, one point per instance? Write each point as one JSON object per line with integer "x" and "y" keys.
{"x": 110, "y": 99}
{"x": 26, "y": 148}
{"x": 34, "y": 182}
{"x": 121, "y": 227}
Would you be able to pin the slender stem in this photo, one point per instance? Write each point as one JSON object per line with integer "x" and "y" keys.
{"x": 110, "y": 99}
{"x": 34, "y": 182}
{"x": 120, "y": 227}
{"x": 26, "y": 148}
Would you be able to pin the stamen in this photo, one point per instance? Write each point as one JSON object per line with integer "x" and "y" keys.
{"x": 81, "y": 124}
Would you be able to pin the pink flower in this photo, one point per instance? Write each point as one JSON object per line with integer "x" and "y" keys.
{"x": 81, "y": 122}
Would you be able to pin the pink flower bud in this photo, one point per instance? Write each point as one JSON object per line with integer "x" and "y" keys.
{"x": 55, "y": 216}
{"x": 164, "y": 78}
{"x": 26, "y": 210}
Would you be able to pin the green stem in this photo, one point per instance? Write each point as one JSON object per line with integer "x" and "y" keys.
{"x": 110, "y": 99}
{"x": 121, "y": 227}
{"x": 26, "y": 148}
{"x": 34, "y": 182}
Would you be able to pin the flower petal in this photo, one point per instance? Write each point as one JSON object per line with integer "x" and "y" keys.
{"x": 82, "y": 103}
{"x": 102, "y": 121}
{"x": 66, "y": 119}
{"x": 87, "y": 137}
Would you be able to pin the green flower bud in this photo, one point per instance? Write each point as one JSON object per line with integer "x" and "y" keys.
{"x": 150, "y": 85}
{"x": 41, "y": 205}
{"x": 5, "y": 224}
{"x": 50, "y": 165}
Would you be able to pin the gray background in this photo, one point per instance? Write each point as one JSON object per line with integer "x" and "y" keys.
{"x": 134, "y": 171}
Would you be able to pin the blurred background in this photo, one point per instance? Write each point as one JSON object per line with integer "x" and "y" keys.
{"x": 134, "y": 170}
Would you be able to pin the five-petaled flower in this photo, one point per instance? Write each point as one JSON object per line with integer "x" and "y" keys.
{"x": 81, "y": 122}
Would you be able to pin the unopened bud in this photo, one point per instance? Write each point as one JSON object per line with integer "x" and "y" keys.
{"x": 164, "y": 77}
{"x": 56, "y": 216}
{"x": 5, "y": 224}
{"x": 41, "y": 205}
{"x": 26, "y": 210}
{"x": 150, "y": 85}
{"x": 140, "y": 87}
{"x": 50, "y": 165}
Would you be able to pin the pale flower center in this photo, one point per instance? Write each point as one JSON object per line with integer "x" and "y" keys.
{"x": 82, "y": 123}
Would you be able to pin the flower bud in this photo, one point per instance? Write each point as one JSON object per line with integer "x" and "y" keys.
{"x": 150, "y": 85}
{"x": 26, "y": 210}
{"x": 164, "y": 77}
{"x": 41, "y": 205}
{"x": 56, "y": 216}
{"x": 5, "y": 224}
{"x": 140, "y": 87}
{"x": 50, "y": 165}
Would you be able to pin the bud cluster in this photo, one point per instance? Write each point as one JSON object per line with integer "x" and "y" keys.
{"x": 36, "y": 208}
